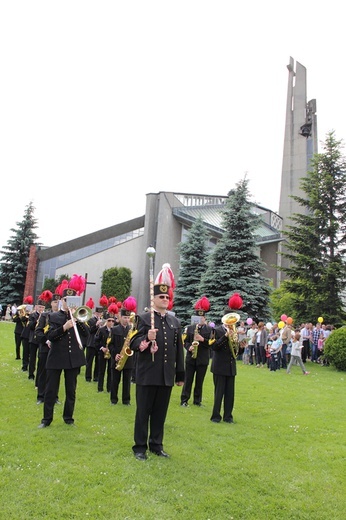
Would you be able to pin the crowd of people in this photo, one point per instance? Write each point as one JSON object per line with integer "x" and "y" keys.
{"x": 120, "y": 347}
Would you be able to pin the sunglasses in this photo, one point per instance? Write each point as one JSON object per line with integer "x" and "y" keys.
{"x": 110, "y": 320}
{"x": 163, "y": 297}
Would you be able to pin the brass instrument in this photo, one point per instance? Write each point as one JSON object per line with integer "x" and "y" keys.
{"x": 229, "y": 320}
{"x": 82, "y": 313}
{"x": 107, "y": 354}
{"x": 126, "y": 352}
{"x": 195, "y": 343}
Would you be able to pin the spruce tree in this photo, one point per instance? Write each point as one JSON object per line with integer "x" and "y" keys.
{"x": 316, "y": 242}
{"x": 234, "y": 265}
{"x": 193, "y": 258}
{"x": 15, "y": 257}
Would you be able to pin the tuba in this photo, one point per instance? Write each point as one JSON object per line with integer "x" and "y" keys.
{"x": 229, "y": 320}
{"x": 126, "y": 352}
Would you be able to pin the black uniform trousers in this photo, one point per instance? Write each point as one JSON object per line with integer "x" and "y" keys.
{"x": 26, "y": 354}
{"x": 18, "y": 342}
{"x": 91, "y": 355}
{"x": 41, "y": 376}
{"x": 223, "y": 389}
{"x": 33, "y": 348}
{"x": 116, "y": 376}
{"x": 52, "y": 388}
{"x": 152, "y": 402}
{"x": 104, "y": 366}
{"x": 192, "y": 370}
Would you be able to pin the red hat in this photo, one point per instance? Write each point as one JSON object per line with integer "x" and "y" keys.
{"x": 235, "y": 301}
{"x": 129, "y": 306}
{"x": 164, "y": 280}
{"x": 202, "y": 306}
{"x": 90, "y": 303}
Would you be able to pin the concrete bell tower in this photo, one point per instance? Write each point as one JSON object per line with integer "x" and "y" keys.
{"x": 300, "y": 144}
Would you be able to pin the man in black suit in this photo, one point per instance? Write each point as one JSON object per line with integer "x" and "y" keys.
{"x": 92, "y": 359}
{"x": 121, "y": 333}
{"x": 160, "y": 363}
{"x": 65, "y": 354}
{"x": 43, "y": 349}
{"x": 33, "y": 342}
{"x": 224, "y": 368}
{"x": 197, "y": 354}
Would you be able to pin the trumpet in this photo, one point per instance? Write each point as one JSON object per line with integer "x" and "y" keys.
{"x": 126, "y": 352}
{"x": 195, "y": 343}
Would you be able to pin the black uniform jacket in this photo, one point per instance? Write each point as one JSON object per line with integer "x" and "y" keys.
{"x": 64, "y": 352}
{"x": 40, "y": 334}
{"x": 119, "y": 334}
{"x": 168, "y": 364}
{"x": 33, "y": 319}
{"x": 223, "y": 362}
{"x": 203, "y": 352}
{"x": 92, "y": 331}
{"x": 102, "y": 337}
{"x": 18, "y": 328}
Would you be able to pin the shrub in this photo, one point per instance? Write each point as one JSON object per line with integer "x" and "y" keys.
{"x": 335, "y": 348}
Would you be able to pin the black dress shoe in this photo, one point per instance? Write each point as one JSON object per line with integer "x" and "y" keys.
{"x": 39, "y": 401}
{"x": 228, "y": 420}
{"x": 141, "y": 456}
{"x": 215, "y": 420}
{"x": 184, "y": 404}
{"x": 43, "y": 425}
{"x": 197, "y": 404}
{"x": 160, "y": 453}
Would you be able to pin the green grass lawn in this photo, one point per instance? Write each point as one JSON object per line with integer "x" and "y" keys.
{"x": 284, "y": 457}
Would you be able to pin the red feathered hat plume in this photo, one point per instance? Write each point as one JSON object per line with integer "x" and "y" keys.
{"x": 113, "y": 308}
{"x": 103, "y": 300}
{"x": 60, "y": 289}
{"x": 119, "y": 304}
{"x": 165, "y": 276}
{"x": 235, "y": 301}
{"x": 46, "y": 296}
{"x": 202, "y": 304}
{"x": 78, "y": 284}
{"x": 90, "y": 303}
{"x": 171, "y": 299}
{"x": 112, "y": 299}
{"x": 29, "y": 300}
{"x": 130, "y": 304}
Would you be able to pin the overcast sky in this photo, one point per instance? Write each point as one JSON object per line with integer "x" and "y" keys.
{"x": 102, "y": 102}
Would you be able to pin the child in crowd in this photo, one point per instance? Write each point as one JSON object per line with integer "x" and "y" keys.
{"x": 275, "y": 349}
{"x": 296, "y": 354}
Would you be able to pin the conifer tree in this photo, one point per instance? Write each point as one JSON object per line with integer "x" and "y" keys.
{"x": 193, "y": 258}
{"x": 316, "y": 242}
{"x": 234, "y": 265}
{"x": 15, "y": 256}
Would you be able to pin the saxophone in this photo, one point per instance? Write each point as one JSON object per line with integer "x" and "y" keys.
{"x": 126, "y": 352}
{"x": 195, "y": 343}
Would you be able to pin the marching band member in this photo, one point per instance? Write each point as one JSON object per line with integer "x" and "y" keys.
{"x": 66, "y": 354}
{"x": 102, "y": 341}
{"x": 160, "y": 363}
{"x": 224, "y": 368}
{"x": 94, "y": 324}
{"x": 121, "y": 363}
{"x": 198, "y": 354}
{"x": 33, "y": 343}
{"x": 44, "y": 344}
